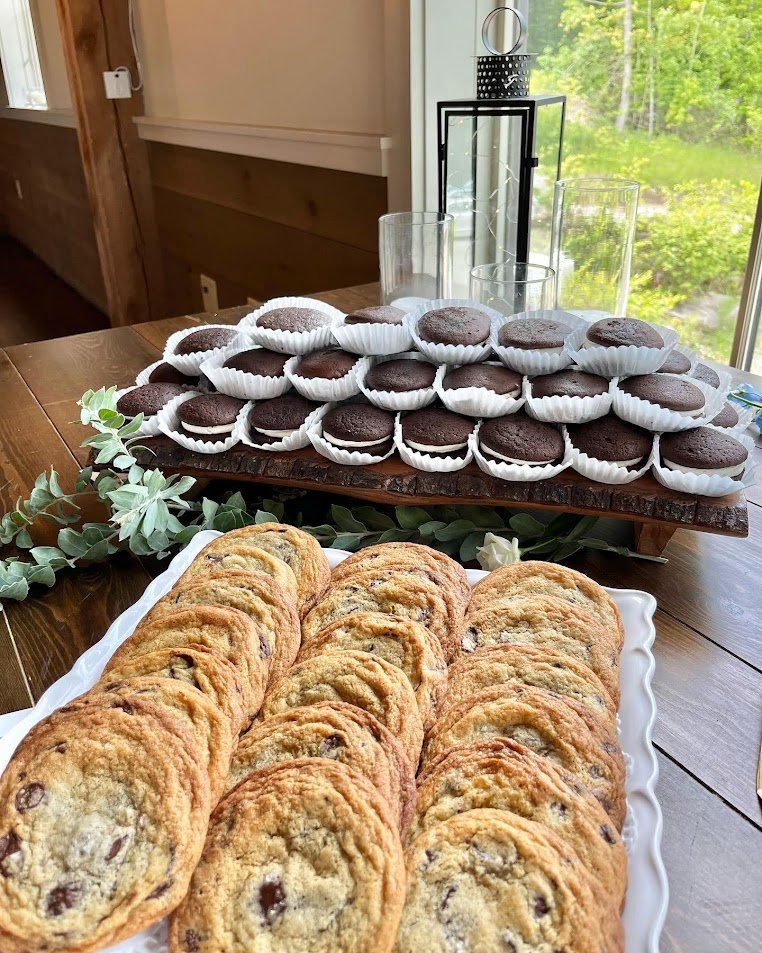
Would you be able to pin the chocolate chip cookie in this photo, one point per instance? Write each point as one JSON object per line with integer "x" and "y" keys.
{"x": 223, "y": 554}
{"x": 336, "y": 731}
{"x": 404, "y": 643}
{"x": 358, "y": 679}
{"x": 300, "y": 856}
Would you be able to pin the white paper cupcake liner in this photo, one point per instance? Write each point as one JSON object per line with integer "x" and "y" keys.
{"x": 620, "y": 361}
{"x": 372, "y": 339}
{"x": 475, "y": 401}
{"x": 533, "y": 362}
{"x": 412, "y": 303}
{"x": 235, "y": 383}
{"x": 568, "y": 410}
{"x": 150, "y": 425}
{"x": 169, "y": 424}
{"x": 295, "y": 441}
{"x": 603, "y": 471}
{"x": 425, "y": 461}
{"x": 449, "y": 353}
{"x": 343, "y": 455}
{"x": 691, "y": 355}
{"x": 519, "y": 472}
{"x": 702, "y": 484}
{"x": 319, "y": 388}
{"x": 191, "y": 363}
{"x": 291, "y": 342}
{"x": 398, "y": 400}
{"x": 144, "y": 375}
{"x": 652, "y": 417}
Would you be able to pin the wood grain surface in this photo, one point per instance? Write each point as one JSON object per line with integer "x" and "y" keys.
{"x": 708, "y": 649}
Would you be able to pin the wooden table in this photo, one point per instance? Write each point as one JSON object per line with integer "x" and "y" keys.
{"x": 708, "y": 680}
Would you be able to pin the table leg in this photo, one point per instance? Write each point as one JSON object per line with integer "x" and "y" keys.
{"x": 651, "y": 538}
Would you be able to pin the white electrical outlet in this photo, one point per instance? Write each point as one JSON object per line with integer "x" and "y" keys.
{"x": 117, "y": 83}
{"x": 19, "y": 191}
{"x": 209, "y": 293}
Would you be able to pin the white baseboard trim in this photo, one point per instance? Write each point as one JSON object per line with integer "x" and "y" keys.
{"x": 49, "y": 117}
{"x": 349, "y": 152}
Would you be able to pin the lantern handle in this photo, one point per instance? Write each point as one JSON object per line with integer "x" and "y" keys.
{"x": 522, "y": 23}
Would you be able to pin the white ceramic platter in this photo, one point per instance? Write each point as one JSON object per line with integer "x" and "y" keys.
{"x": 647, "y": 895}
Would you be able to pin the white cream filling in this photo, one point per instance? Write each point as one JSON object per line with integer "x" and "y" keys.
{"x": 625, "y": 463}
{"x": 736, "y": 470}
{"x": 448, "y": 448}
{"x": 524, "y": 463}
{"x": 276, "y": 433}
{"x": 353, "y": 443}
{"x": 222, "y": 428}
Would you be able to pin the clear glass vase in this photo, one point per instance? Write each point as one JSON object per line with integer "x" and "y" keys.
{"x": 415, "y": 255}
{"x": 511, "y": 287}
{"x": 591, "y": 243}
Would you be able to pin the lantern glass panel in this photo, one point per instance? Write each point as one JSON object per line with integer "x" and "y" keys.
{"x": 547, "y": 148}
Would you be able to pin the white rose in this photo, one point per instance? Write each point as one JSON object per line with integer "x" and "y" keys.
{"x": 497, "y": 551}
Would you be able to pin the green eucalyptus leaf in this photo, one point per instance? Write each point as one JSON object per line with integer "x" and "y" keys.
{"x": 132, "y": 426}
{"x": 372, "y": 518}
{"x": 209, "y": 509}
{"x": 411, "y": 517}
{"x": 430, "y": 528}
{"x": 262, "y": 517}
{"x": 275, "y": 507}
{"x": 23, "y": 540}
{"x": 565, "y": 550}
{"x": 394, "y": 536}
{"x": 186, "y": 534}
{"x": 49, "y": 556}
{"x": 350, "y": 541}
{"x": 470, "y": 544}
{"x": 13, "y": 588}
{"x": 448, "y": 546}
{"x": 526, "y": 526}
{"x": 180, "y": 485}
{"x": 455, "y": 530}
{"x": 44, "y": 575}
{"x": 72, "y": 542}
{"x": 123, "y": 461}
{"x": 343, "y": 518}
{"x": 236, "y": 501}
{"x": 39, "y": 498}
{"x": 485, "y": 517}
{"x": 325, "y": 531}
{"x": 84, "y": 480}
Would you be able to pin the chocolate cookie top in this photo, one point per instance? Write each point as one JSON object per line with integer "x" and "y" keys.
{"x": 492, "y": 377}
{"x": 612, "y": 439}
{"x": 620, "y": 332}
{"x": 676, "y": 363}
{"x": 454, "y": 325}
{"x": 520, "y": 437}
{"x": 260, "y": 361}
{"x": 358, "y": 423}
{"x": 210, "y": 410}
{"x": 293, "y": 319}
{"x": 707, "y": 374}
{"x": 381, "y": 314}
{"x": 148, "y": 399}
{"x": 569, "y": 383}
{"x": 702, "y": 448}
{"x": 400, "y": 375}
{"x": 533, "y": 333}
{"x": 674, "y": 393}
{"x": 436, "y": 427}
{"x": 282, "y": 413}
{"x": 329, "y": 363}
{"x": 205, "y": 339}
{"x": 164, "y": 373}
{"x": 727, "y": 417}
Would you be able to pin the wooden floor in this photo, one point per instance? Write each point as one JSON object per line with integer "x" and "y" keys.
{"x": 35, "y": 304}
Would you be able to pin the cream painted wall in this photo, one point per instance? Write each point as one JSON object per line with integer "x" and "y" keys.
{"x": 50, "y": 50}
{"x": 299, "y": 64}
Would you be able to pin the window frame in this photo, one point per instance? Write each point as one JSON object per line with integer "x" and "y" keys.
{"x": 11, "y": 58}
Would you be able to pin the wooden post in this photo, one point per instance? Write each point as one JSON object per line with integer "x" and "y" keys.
{"x": 96, "y": 37}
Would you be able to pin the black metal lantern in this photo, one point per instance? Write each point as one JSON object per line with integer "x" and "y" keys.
{"x": 499, "y": 158}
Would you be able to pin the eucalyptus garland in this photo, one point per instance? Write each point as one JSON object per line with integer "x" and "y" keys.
{"x": 151, "y": 514}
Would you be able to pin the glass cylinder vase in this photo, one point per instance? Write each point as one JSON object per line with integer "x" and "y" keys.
{"x": 511, "y": 287}
{"x": 415, "y": 255}
{"x": 591, "y": 243}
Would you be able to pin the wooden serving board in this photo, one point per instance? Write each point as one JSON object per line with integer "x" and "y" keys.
{"x": 655, "y": 510}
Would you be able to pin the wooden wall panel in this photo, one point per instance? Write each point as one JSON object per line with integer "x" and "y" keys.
{"x": 53, "y": 217}
{"x": 261, "y": 228}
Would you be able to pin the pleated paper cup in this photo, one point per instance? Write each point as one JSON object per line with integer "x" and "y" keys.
{"x": 650, "y": 416}
{"x": 520, "y": 472}
{"x": 475, "y": 401}
{"x": 150, "y": 425}
{"x": 298, "y": 440}
{"x": 539, "y": 360}
{"x": 320, "y": 388}
{"x": 373, "y": 339}
{"x": 568, "y": 410}
{"x": 449, "y": 353}
{"x": 620, "y": 361}
{"x": 144, "y": 375}
{"x": 236, "y": 383}
{"x": 291, "y": 342}
{"x": 703, "y": 484}
{"x": 169, "y": 424}
{"x": 343, "y": 455}
{"x": 604, "y": 471}
{"x": 191, "y": 363}
{"x": 425, "y": 461}
{"x": 398, "y": 400}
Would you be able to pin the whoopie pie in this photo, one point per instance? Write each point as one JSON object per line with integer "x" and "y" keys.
{"x": 294, "y": 319}
{"x": 278, "y": 418}
{"x": 668, "y": 391}
{"x": 676, "y": 363}
{"x": 148, "y": 399}
{"x": 380, "y": 314}
{"x": 492, "y": 377}
{"x": 613, "y": 440}
{"x": 727, "y": 417}
{"x": 437, "y": 431}
{"x": 259, "y": 361}
{"x": 165, "y": 373}
{"x": 534, "y": 334}
{"x": 206, "y": 339}
{"x": 329, "y": 363}
{"x": 707, "y": 374}
{"x": 704, "y": 451}
{"x": 454, "y": 325}
{"x": 360, "y": 426}
{"x": 519, "y": 438}
{"x": 401, "y": 375}
{"x": 209, "y": 415}
{"x": 569, "y": 383}
{"x": 621, "y": 332}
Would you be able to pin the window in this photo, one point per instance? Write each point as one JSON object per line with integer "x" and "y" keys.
{"x": 19, "y": 57}
{"x": 666, "y": 92}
